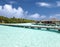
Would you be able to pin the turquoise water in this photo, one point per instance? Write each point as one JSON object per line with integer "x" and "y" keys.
{"x": 24, "y": 37}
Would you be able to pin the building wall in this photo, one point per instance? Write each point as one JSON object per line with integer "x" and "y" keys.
{"x": 58, "y": 22}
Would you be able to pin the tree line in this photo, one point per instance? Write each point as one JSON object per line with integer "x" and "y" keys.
{"x": 14, "y": 20}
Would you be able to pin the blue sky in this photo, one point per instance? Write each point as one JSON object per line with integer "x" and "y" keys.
{"x": 30, "y": 9}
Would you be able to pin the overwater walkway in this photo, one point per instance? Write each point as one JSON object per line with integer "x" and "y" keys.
{"x": 32, "y": 26}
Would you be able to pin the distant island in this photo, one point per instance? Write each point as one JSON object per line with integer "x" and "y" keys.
{"x": 14, "y": 20}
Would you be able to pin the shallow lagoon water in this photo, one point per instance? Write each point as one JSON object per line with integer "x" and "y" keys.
{"x": 24, "y": 37}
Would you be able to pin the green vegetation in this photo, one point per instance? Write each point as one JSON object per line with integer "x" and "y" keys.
{"x": 14, "y": 20}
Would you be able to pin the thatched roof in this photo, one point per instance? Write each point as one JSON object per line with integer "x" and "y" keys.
{"x": 51, "y": 19}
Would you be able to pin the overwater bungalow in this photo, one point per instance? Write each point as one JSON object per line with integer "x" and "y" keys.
{"x": 51, "y": 21}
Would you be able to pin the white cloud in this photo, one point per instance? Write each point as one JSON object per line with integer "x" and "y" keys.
{"x": 43, "y": 4}
{"x": 0, "y": 7}
{"x": 12, "y": 2}
{"x": 7, "y": 8}
{"x": 8, "y": 11}
{"x": 43, "y": 16}
{"x": 55, "y": 16}
{"x": 49, "y": 5}
{"x": 58, "y": 3}
{"x": 36, "y": 15}
{"x": 19, "y": 13}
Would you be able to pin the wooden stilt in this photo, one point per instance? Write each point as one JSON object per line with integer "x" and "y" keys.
{"x": 58, "y": 29}
{"x": 32, "y": 27}
{"x": 26, "y": 26}
{"x": 47, "y": 28}
{"x": 29, "y": 27}
{"x": 38, "y": 27}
